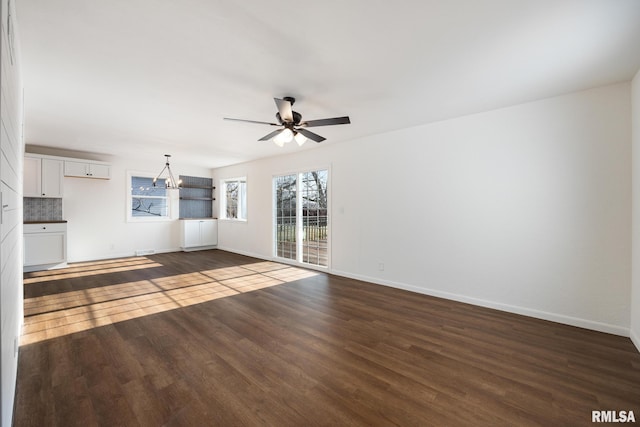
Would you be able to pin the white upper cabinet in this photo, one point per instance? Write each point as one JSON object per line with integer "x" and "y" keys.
{"x": 32, "y": 186}
{"x": 42, "y": 177}
{"x": 52, "y": 173}
{"x": 84, "y": 169}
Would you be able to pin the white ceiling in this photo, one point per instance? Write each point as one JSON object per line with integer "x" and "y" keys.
{"x": 149, "y": 77}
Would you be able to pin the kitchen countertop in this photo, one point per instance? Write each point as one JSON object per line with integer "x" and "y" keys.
{"x": 59, "y": 221}
{"x": 207, "y": 217}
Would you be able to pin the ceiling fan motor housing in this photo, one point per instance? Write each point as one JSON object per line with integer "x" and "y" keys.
{"x": 297, "y": 117}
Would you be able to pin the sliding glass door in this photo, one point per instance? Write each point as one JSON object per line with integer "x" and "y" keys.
{"x": 301, "y": 217}
{"x": 285, "y": 189}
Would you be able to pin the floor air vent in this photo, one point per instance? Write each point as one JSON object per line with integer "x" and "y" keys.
{"x": 141, "y": 252}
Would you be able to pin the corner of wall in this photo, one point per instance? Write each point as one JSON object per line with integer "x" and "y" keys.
{"x": 634, "y": 327}
{"x": 635, "y": 339}
{"x": 12, "y": 149}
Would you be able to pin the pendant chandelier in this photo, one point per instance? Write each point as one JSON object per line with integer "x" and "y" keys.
{"x": 169, "y": 182}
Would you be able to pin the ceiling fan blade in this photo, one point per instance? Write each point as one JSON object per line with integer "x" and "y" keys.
{"x": 327, "y": 122}
{"x": 251, "y": 121}
{"x": 271, "y": 135}
{"x": 284, "y": 108}
{"x": 313, "y": 136}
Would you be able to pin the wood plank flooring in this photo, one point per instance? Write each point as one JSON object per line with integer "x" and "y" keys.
{"x": 218, "y": 339}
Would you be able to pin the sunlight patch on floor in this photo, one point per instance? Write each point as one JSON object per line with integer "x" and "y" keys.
{"x": 85, "y": 269}
{"x": 65, "y": 313}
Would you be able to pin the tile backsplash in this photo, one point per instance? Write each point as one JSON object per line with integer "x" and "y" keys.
{"x": 42, "y": 209}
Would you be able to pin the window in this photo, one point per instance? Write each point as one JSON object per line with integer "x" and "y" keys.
{"x": 147, "y": 202}
{"x": 301, "y": 217}
{"x": 233, "y": 200}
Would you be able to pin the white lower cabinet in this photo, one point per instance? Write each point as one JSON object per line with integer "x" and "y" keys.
{"x": 198, "y": 233}
{"x": 45, "y": 245}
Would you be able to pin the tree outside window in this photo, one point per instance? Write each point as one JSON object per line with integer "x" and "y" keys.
{"x": 301, "y": 217}
{"x": 233, "y": 203}
{"x": 147, "y": 201}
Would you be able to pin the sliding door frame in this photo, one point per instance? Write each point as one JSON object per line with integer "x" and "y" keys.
{"x": 299, "y": 222}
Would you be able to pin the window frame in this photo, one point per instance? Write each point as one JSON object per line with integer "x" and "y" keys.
{"x": 169, "y": 200}
{"x": 242, "y": 215}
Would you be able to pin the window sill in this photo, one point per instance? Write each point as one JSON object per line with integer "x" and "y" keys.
{"x": 149, "y": 219}
{"x": 232, "y": 220}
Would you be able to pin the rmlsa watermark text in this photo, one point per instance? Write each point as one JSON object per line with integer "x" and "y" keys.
{"x": 613, "y": 417}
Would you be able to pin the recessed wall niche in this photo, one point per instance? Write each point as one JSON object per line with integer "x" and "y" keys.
{"x": 196, "y": 197}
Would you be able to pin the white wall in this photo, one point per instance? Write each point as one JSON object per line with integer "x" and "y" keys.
{"x": 11, "y": 152}
{"x": 96, "y": 210}
{"x": 96, "y": 213}
{"x": 526, "y": 209}
{"x": 635, "y": 285}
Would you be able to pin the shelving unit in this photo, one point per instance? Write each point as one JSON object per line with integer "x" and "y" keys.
{"x": 196, "y": 197}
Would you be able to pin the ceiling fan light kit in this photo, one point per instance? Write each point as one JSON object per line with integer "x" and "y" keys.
{"x": 285, "y": 136}
{"x": 300, "y": 138}
{"x": 292, "y": 125}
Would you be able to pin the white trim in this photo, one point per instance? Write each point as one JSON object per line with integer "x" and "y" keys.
{"x": 245, "y": 253}
{"x": 538, "y": 314}
{"x": 295, "y": 263}
{"x": 243, "y": 211}
{"x": 43, "y": 267}
{"x": 171, "y": 197}
{"x": 127, "y": 254}
{"x": 233, "y": 220}
{"x": 276, "y": 259}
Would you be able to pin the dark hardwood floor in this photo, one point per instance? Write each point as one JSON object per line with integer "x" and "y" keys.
{"x": 213, "y": 338}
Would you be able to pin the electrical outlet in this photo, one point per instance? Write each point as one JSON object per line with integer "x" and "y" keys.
{"x": 16, "y": 346}
{"x": 381, "y": 266}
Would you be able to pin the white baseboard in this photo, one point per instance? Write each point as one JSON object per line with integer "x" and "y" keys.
{"x": 41, "y": 267}
{"x": 166, "y": 251}
{"x": 245, "y": 253}
{"x": 538, "y": 314}
{"x": 198, "y": 248}
{"x": 127, "y": 254}
{"x": 276, "y": 259}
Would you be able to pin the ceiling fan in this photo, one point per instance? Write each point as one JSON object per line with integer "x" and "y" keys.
{"x": 292, "y": 125}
